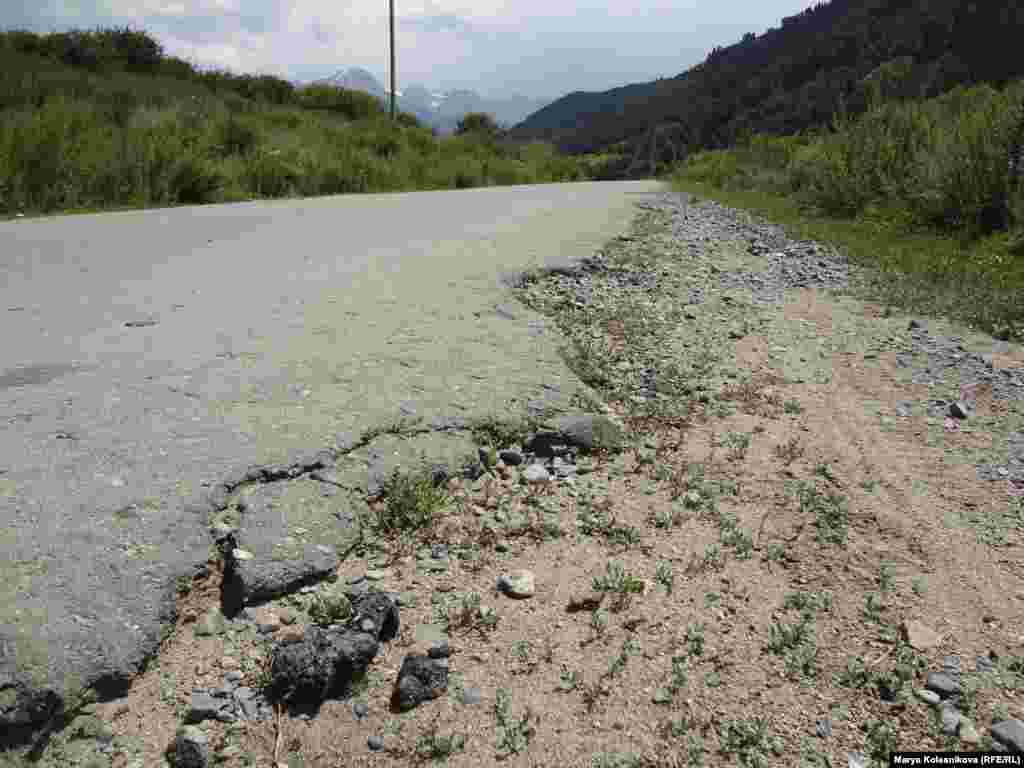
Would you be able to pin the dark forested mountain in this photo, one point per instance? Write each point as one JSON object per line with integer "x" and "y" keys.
{"x": 795, "y": 76}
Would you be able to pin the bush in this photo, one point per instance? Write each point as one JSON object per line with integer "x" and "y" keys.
{"x": 477, "y": 124}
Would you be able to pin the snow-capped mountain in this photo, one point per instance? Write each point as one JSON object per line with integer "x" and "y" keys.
{"x": 441, "y": 110}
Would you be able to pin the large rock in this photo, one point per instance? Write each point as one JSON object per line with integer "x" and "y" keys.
{"x": 191, "y": 749}
{"x": 591, "y": 432}
{"x": 321, "y": 666}
{"x": 420, "y": 679}
{"x": 376, "y": 614}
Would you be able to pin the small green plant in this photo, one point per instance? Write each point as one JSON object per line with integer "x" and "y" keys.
{"x": 630, "y": 647}
{"x": 918, "y": 585}
{"x": 795, "y": 643}
{"x": 568, "y": 680}
{"x": 740, "y": 541}
{"x": 775, "y": 552}
{"x": 824, "y": 471}
{"x": 873, "y": 607}
{"x": 664, "y": 576}
{"x": 467, "y": 614}
{"x": 592, "y": 520}
{"x": 411, "y": 503}
{"x": 750, "y": 741}
{"x": 521, "y": 650}
{"x": 329, "y": 606}
{"x": 855, "y": 675}
{"x": 792, "y": 407}
{"x": 789, "y": 451}
{"x": 885, "y": 577}
{"x": 436, "y": 747}
{"x": 679, "y": 675}
{"x": 514, "y": 734}
{"x": 808, "y": 603}
{"x": 881, "y": 741}
{"x": 831, "y": 515}
{"x": 695, "y": 639}
{"x": 599, "y": 621}
{"x": 737, "y": 444}
{"x": 713, "y": 560}
{"x": 711, "y": 599}
{"x": 621, "y": 584}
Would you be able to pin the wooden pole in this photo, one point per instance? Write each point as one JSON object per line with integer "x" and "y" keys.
{"x": 391, "y": 6}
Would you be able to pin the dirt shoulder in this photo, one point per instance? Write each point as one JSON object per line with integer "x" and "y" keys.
{"x": 807, "y": 552}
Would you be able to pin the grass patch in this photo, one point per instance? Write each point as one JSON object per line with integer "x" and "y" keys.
{"x": 917, "y": 192}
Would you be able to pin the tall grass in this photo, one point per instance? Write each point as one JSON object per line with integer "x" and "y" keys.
{"x": 923, "y": 190}
{"x": 107, "y": 129}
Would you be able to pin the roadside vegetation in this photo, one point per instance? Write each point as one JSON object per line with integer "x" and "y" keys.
{"x": 103, "y": 120}
{"x": 926, "y": 193}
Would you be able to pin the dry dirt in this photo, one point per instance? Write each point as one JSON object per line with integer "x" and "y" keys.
{"x": 900, "y": 488}
{"x": 973, "y": 599}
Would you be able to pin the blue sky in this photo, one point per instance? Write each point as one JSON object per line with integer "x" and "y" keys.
{"x": 539, "y": 48}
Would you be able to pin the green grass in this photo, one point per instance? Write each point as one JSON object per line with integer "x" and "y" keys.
{"x": 919, "y": 193}
{"x": 120, "y": 129}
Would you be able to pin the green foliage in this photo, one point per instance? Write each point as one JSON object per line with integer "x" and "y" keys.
{"x": 478, "y": 124}
{"x": 102, "y": 119}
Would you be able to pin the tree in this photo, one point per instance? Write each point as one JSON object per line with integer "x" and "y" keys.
{"x": 478, "y": 124}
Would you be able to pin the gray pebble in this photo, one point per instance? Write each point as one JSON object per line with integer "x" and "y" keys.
{"x": 360, "y": 710}
{"x": 375, "y": 743}
{"x": 942, "y": 684}
{"x": 471, "y": 696}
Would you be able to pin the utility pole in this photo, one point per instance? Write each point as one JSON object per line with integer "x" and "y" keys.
{"x": 391, "y": 6}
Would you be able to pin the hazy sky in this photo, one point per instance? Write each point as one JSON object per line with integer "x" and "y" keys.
{"x": 542, "y": 48}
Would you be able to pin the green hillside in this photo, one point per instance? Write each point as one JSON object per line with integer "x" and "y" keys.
{"x": 792, "y": 78}
{"x": 99, "y": 120}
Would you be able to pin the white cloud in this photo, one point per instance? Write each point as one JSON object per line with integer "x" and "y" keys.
{"x": 538, "y": 47}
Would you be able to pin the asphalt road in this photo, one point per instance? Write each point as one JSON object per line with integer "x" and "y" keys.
{"x": 146, "y": 355}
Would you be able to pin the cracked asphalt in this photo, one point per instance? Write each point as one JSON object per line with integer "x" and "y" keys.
{"x": 146, "y": 356}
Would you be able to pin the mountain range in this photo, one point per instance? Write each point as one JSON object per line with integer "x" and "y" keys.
{"x": 441, "y": 110}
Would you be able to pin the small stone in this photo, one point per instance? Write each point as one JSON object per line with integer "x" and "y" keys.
{"x": 536, "y": 474}
{"x": 375, "y": 743}
{"x": 983, "y": 664}
{"x": 291, "y": 634}
{"x": 439, "y": 650}
{"x": 512, "y": 458}
{"x": 360, "y": 709}
{"x": 856, "y": 760}
{"x": 943, "y": 684}
{"x": 959, "y": 410}
{"x": 914, "y": 325}
{"x": 471, "y": 696}
{"x": 929, "y": 697}
{"x": 518, "y": 584}
{"x": 823, "y": 728}
{"x": 242, "y": 554}
{"x": 951, "y": 666}
{"x": 234, "y": 675}
{"x": 920, "y": 636}
{"x": 950, "y": 719}
{"x": 191, "y": 748}
{"x": 1009, "y": 733}
{"x": 585, "y": 601}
